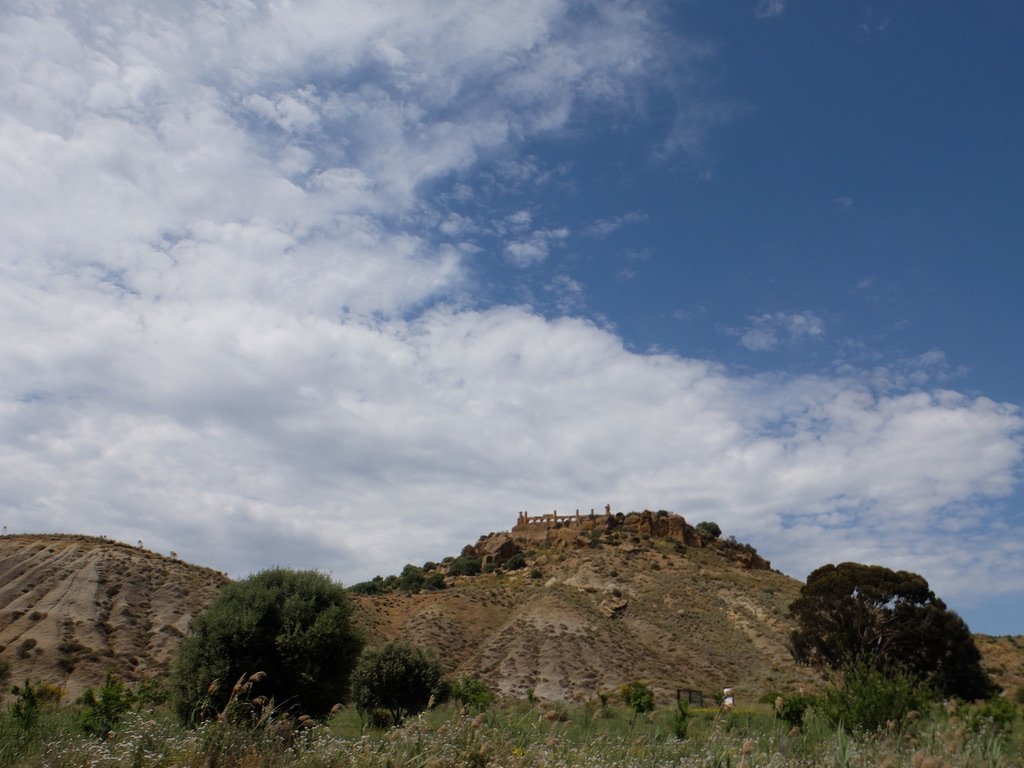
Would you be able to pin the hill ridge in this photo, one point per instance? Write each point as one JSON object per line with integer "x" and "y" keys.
{"x": 580, "y": 613}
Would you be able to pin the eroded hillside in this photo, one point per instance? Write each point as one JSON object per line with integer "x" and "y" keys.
{"x": 72, "y": 607}
{"x": 568, "y": 611}
{"x": 593, "y": 608}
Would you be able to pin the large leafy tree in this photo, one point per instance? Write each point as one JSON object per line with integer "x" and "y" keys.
{"x": 294, "y": 626}
{"x": 397, "y": 679}
{"x": 851, "y": 613}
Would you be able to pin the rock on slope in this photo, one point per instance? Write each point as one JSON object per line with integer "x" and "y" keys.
{"x": 72, "y": 607}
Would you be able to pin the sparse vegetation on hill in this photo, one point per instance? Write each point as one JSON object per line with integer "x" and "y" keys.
{"x": 560, "y": 614}
{"x": 563, "y": 606}
{"x": 534, "y": 645}
{"x": 73, "y": 607}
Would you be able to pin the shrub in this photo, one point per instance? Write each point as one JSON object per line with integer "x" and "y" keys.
{"x": 411, "y": 579}
{"x": 100, "y": 713}
{"x": 153, "y": 693}
{"x": 373, "y": 587}
{"x": 397, "y": 679}
{"x": 517, "y": 561}
{"x": 25, "y": 709}
{"x": 866, "y": 698}
{"x": 681, "y": 720}
{"x": 638, "y": 697}
{"x": 998, "y": 711}
{"x": 471, "y": 693}
{"x": 792, "y": 708}
{"x": 464, "y": 565}
{"x": 434, "y": 581}
{"x": 294, "y": 626}
{"x": 25, "y": 648}
{"x": 709, "y": 529}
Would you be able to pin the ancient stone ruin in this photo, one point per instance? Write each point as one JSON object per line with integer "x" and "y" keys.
{"x": 560, "y": 532}
{"x": 657, "y": 525}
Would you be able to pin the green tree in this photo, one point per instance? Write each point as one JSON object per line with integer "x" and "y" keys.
{"x": 851, "y": 613}
{"x": 638, "y": 697}
{"x": 397, "y": 679}
{"x": 295, "y": 626}
{"x": 709, "y": 529}
{"x": 411, "y": 579}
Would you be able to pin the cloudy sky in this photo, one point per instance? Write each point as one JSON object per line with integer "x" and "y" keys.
{"x": 344, "y": 285}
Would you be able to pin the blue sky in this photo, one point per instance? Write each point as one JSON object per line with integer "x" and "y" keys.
{"x": 345, "y": 286}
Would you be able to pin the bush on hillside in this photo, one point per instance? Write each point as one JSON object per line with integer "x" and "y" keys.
{"x": 517, "y": 561}
{"x": 294, "y": 626}
{"x": 464, "y": 565}
{"x": 708, "y": 528}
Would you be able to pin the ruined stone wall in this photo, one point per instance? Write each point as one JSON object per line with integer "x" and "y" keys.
{"x": 646, "y": 523}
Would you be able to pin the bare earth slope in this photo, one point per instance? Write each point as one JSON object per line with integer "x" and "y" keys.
{"x": 603, "y": 614}
{"x": 72, "y": 607}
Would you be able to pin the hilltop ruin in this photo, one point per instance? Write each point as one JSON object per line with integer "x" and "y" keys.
{"x": 657, "y": 525}
{"x": 579, "y": 530}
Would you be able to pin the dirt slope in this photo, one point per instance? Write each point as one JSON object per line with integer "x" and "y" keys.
{"x": 72, "y": 607}
{"x": 675, "y": 616}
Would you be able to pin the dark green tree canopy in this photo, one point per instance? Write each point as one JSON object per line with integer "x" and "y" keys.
{"x": 851, "y": 612}
{"x": 709, "y": 528}
{"x": 293, "y": 625}
{"x": 395, "y": 678}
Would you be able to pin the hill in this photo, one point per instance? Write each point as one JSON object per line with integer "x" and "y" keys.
{"x": 602, "y": 600}
{"x": 565, "y": 607}
{"x": 72, "y": 607}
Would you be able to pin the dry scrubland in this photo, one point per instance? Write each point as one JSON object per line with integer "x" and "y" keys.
{"x": 521, "y": 735}
{"x": 676, "y": 616}
{"x": 584, "y": 615}
{"x": 634, "y": 607}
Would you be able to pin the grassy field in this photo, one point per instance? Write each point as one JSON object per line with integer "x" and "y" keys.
{"x": 524, "y": 735}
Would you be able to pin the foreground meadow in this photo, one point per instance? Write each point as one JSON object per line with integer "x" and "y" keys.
{"x": 523, "y": 735}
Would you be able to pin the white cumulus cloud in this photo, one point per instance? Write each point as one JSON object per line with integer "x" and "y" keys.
{"x": 227, "y": 329}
